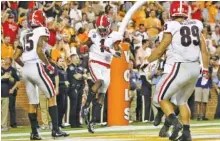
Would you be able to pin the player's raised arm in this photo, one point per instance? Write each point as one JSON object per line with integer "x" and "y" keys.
{"x": 204, "y": 52}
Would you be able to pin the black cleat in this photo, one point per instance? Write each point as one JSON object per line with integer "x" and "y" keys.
{"x": 176, "y": 128}
{"x": 158, "y": 117}
{"x": 35, "y": 136}
{"x": 91, "y": 127}
{"x": 164, "y": 132}
{"x": 59, "y": 133}
{"x": 186, "y": 136}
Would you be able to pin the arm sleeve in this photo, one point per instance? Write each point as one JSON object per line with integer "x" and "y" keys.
{"x": 43, "y": 31}
{"x": 171, "y": 27}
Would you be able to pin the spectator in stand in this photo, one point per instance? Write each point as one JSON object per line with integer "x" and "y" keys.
{"x": 140, "y": 35}
{"x": 48, "y": 8}
{"x": 22, "y": 22}
{"x": 142, "y": 52}
{"x": 164, "y": 18}
{"x": 13, "y": 5}
{"x": 216, "y": 36}
{"x": 196, "y": 11}
{"x": 153, "y": 25}
{"x": 154, "y": 6}
{"x": 205, "y": 13}
{"x": 7, "y": 49}
{"x": 128, "y": 5}
{"x": 91, "y": 17}
{"x": 75, "y": 15}
{"x": 111, "y": 15}
{"x": 139, "y": 17}
{"x": 97, "y": 8}
{"x": 121, "y": 12}
{"x": 10, "y": 28}
{"x": 213, "y": 11}
{"x": 51, "y": 25}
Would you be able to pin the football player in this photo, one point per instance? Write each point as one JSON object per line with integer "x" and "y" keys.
{"x": 103, "y": 44}
{"x": 32, "y": 43}
{"x": 187, "y": 42}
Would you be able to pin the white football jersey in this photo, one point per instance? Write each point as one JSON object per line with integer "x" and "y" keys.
{"x": 95, "y": 51}
{"x": 185, "y": 44}
{"x": 169, "y": 60}
{"x": 29, "y": 40}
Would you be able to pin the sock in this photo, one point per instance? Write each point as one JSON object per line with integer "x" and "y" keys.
{"x": 167, "y": 123}
{"x": 33, "y": 120}
{"x": 96, "y": 112}
{"x": 90, "y": 98}
{"x": 176, "y": 111}
{"x": 54, "y": 116}
{"x": 186, "y": 127}
{"x": 172, "y": 119}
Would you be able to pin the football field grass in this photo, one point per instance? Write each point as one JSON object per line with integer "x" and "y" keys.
{"x": 201, "y": 131}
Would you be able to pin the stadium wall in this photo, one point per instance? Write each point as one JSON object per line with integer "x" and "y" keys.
{"x": 22, "y": 106}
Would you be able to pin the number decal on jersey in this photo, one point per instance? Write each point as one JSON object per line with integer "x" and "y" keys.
{"x": 28, "y": 43}
{"x": 102, "y": 44}
{"x": 185, "y": 33}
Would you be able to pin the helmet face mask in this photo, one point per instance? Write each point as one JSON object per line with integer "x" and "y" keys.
{"x": 103, "y": 31}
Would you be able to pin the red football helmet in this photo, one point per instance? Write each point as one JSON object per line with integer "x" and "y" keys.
{"x": 179, "y": 8}
{"x": 37, "y": 18}
{"x": 103, "y": 25}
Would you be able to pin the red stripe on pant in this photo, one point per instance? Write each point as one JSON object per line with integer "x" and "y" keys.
{"x": 165, "y": 82}
{"x": 92, "y": 73}
{"x": 48, "y": 80}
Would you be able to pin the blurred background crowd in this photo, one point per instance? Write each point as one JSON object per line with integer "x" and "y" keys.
{"x": 69, "y": 23}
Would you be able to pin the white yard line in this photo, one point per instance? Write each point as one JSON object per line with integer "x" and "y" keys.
{"x": 112, "y": 128}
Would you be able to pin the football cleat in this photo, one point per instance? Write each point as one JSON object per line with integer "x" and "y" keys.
{"x": 164, "y": 132}
{"x": 91, "y": 127}
{"x": 59, "y": 133}
{"x": 35, "y": 136}
{"x": 176, "y": 128}
{"x": 186, "y": 136}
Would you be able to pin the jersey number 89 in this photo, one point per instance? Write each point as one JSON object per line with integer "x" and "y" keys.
{"x": 186, "y": 38}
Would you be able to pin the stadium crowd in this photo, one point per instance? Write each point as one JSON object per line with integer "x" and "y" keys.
{"x": 69, "y": 24}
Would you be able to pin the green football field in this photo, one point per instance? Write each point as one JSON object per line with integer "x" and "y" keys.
{"x": 201, "y": 131}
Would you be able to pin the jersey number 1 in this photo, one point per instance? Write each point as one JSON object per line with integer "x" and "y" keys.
{"x": 185, "y": 33}
{"x": 28, "y": 43}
